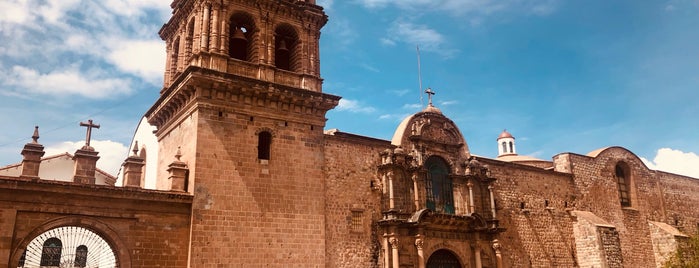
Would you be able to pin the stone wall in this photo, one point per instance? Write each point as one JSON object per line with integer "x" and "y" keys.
{"x": 146, "y": 228}
{"x": 532, "y": 205}
{"x": 350, "y": 168}
{"x": 261, "y": 213}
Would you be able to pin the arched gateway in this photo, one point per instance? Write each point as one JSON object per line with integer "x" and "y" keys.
{"x": 443, "y": 259}
{"x": 68, "y": 246}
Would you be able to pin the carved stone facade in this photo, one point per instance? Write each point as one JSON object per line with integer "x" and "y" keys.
{"x": 246, "y": 177}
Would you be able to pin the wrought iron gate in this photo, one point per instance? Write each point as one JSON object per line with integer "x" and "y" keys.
{"x": 68, "y": 246}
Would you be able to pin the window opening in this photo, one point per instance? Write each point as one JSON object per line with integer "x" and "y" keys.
{"x": 440, "y": 192}
{"x": 264, "y": 142}
{"x": 81, "y": 256}
{"x": 240, "y": 36}
{"x": 624, "y": 186}
{"x": 175, "y": 54}
{"x": 504, "y": 147}
{"x": 51, "y": 252}
{"x": 512, "y": 149}
{"x": 286, "y": 40}
{"x": 357, "y": 220}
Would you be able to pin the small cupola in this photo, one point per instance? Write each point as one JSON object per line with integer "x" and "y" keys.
{"x": 506, "y": 144}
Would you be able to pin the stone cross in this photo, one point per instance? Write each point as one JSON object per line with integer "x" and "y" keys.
{"x": 89, "y": 126}
{"x": 429, "y": 93}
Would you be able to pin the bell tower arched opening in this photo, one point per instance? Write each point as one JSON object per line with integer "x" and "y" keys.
{"x": 240, "y": 38}
{"x": 286, "y": 56}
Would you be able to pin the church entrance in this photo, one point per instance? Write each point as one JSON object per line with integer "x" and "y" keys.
{"x": 443, "y": 259}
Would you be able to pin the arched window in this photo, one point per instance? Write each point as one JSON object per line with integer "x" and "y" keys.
{"x": 175, "y": 55}
{"x": 190, "y": 38}
{"x": 504, "y": 147}
{"x": 80, "y": 256}
{"x": 51, "y": 252}
{"x": 240, "y": 37}
{"x": 512, "y": 148}
{"x": 443, "y": 259}
{"x": 264, "y": 142}
{"x": 439, "y": 187}
{"x": 286, "y": 40}
{"x": 624, "y": 183}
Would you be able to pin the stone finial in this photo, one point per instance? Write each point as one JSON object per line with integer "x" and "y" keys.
{"x": 135, "y": 148}
{"x": 178, "y": 173}
{"x": 35, "y": 137}
{"x": 32, "y": 153}
{"x": 178, "y": 154}
{"x": 133, "y": 169}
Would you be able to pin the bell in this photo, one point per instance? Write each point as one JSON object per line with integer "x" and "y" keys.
{"x": 239, "y": 36}
{"x": 282, "y": 46}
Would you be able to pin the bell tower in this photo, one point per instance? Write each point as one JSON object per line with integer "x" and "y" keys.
{"x": 243, "y": 102}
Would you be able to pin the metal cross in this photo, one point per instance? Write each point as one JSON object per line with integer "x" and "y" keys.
{"x": 89, "y": 126}
{"x": 429, "y": 96}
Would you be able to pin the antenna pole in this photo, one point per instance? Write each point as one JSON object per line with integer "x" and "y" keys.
{"x": 419, "y": 73}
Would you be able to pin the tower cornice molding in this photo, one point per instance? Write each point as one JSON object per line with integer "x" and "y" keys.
{"x": 236, "y": 93}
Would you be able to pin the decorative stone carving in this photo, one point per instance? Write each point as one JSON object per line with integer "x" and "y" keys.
{"x": 419, "y": 243}
{"x": 394, "y": 242}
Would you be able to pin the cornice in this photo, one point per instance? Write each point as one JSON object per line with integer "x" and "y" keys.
{"x": 237, "y": 93}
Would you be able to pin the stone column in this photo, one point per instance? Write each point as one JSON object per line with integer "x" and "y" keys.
{"x": 223, "y": 33}
{"x": 214, "y": 29}
{"x": 31, "y": 157}
{"x": 205, "y": 27}
{"x": 85, "y": 160}
{"x": 417, "y": 193}
{"x": 391, "y": 202}
{"x": 477, "y": 252}
{"x": 394, "y": 251}
{"x": 471, "y": 206}
{"x": 420, "y": 252}
{"x": 133, "y": 169}
{"x": 492, "y": 201}
{"x": 178, "y": 173}
{"x": 386, "y": 251}
{"x": 498, "y": 253}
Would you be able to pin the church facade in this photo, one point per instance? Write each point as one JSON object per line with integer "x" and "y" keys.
{"x": 241, "y": 174}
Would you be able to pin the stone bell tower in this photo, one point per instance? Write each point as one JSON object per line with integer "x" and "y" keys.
{"x": 243, "y": 99}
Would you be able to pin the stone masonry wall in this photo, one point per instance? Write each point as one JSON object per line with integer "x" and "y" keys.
{"x": 655, "y": 196}
{"x": 146, "y": 228}
{"x": 540, "y": 235}
{"x": 350, "y": 167}
{"x": 249, "y": 212}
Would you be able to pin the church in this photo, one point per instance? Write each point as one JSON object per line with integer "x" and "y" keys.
{"x": 232, "y": 167}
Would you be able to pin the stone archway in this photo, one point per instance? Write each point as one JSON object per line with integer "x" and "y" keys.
{"x": 443, "y": 259}
{"x": 77, "y": 247}
{"x": 108, "y": 250}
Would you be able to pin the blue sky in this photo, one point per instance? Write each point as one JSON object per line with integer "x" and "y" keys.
{"x": 561, "y": 76}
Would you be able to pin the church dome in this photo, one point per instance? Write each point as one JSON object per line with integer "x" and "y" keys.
{"x": 505, "y": 135}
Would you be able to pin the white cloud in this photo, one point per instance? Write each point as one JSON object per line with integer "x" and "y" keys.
{"x": 412, "y": 106}
{"x": 446, "y": 103}
{"x": 16, "y": 11}
{"x": 327, "y": 4}
{"x": 467, "y": 7}
{"x": 394, "y": 117}
{"x": 354, "y": 106}
{"x": 112, "y": 154}
{"x": 426, "y": 38}
{"x": 675, "y": 161}
{"x": 69, "y": 81}
{"x": 145, "y": 59}
{"x": 103, "y": 36}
